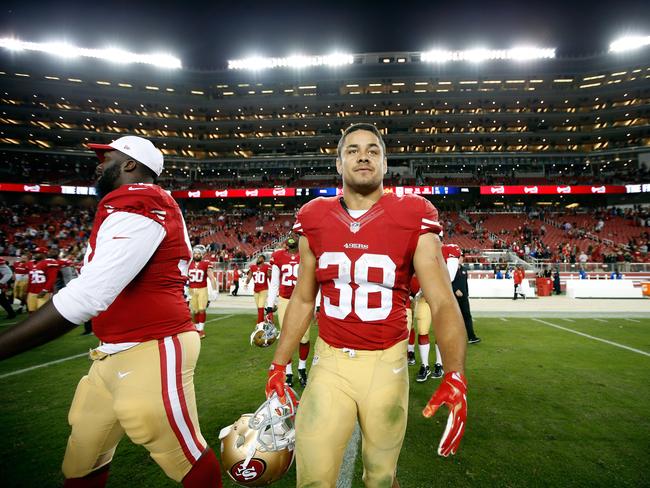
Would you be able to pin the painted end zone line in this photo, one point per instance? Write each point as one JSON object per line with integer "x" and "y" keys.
{"x": 31, "y": 368}
{"x": 616, "y": 344}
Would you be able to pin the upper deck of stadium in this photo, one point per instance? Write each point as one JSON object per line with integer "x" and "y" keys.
{"x": 536, "y": 117}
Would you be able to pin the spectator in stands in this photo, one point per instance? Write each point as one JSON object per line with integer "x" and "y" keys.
{"x": 582, "y": 273}
{"x": 498, "y": 275}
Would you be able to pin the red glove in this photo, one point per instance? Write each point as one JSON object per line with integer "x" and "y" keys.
{"x": 268, "y": 314}
{"x": 276, "y": 380}
{"x": 453, "y": 393}
{"x": 276, "y": 384}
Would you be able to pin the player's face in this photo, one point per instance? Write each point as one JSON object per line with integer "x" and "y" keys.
{"x": 108, "y": 173}
{"x": 260, "y": 261}
{"x": 197, "y": 256}
{"x": 362, "y": 163}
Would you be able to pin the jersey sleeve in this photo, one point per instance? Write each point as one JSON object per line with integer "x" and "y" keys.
{"x": 429, "y": 219}
{"x": 138, "y": 199}
{"x": 115, "y": 263}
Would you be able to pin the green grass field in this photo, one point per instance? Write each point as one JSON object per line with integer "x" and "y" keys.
{"x": 546, "y": 408}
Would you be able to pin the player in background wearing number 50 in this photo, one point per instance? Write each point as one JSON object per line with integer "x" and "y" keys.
{"x": 362, "y": 250}
{"x": 198, "y": 274}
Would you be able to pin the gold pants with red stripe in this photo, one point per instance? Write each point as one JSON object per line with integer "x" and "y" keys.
{"x": 282, "y": 308}
{"x": 147, "y": 393}
{"x": 345, "y": 386}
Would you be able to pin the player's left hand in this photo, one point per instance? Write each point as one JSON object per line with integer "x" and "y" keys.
{"x": 452, "y": 392}
{"x": 275, "y": 383}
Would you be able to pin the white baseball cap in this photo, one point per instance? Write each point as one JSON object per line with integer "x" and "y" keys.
{"x": 139, "y": 148}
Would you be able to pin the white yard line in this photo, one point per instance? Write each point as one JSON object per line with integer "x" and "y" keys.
{"x": 611, "y": 343}
{"x": 633, "y": 320}
{"x": 503, "y": 319}
{"x": 38, "y": 366}
{"x": 569, "y": 320}
{"x": 31, "y": 368}
{"x": 216, "y": 319}
{"x": 349, "y": 458}
{"x": 601, "y": 320}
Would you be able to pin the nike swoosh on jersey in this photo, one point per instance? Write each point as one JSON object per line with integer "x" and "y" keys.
{"x": 397, "y": 370}
{"x": 121, "y": 375}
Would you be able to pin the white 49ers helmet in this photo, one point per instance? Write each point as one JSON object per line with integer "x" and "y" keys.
{"x": 258, "y": 448}
{"x": 200, "y": 249}
{"x": 264, "y": 334}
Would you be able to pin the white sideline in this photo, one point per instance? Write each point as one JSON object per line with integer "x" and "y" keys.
{"x": 611, "y": 343}
{"x": 503, "y": 319}
{"x": 57, "y": 361}
{"x": 633, "y": 320}
{"x": 31, "y": 368}
{"x": 349, "y": 457}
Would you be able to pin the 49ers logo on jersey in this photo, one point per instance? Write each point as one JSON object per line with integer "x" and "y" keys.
{"x": 256, "y": 468}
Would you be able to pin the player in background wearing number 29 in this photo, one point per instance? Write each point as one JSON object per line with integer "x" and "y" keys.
{"x": 362, "y": 250}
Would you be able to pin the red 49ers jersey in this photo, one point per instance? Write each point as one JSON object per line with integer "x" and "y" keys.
{"x": 364, "y": 266}
{"x": 287, "y": 263}
{"x": 451, "y": 251}
{"x": 198, "y": 274}
{"x": 21, "y": 268}
{"x": 43, "y": 275}
{"x": 260, "y": 275}
{"x": 152, "y": 305}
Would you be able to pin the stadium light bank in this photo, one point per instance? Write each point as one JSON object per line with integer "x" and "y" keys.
{"x": 256, "y": 63}
{"x": 523, "y": 53}
{"x": 114, "y": 55}
{"x": 629, "y": 43}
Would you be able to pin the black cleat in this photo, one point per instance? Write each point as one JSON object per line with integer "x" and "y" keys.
{"x": 475, "y": 340}
{"x": 302, "y": 377}
{"x": 410, "y": 358}
{"x": 437, "y": 371}
{"x": 423, "y": 374}
{"x": 289, "y": 380}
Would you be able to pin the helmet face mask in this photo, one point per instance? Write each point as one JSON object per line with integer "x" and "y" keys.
{"x": 258, "y": 449}
{"x": 264, "y": 334}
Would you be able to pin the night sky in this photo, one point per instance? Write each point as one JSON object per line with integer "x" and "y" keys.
{"x": 206, "y": 34}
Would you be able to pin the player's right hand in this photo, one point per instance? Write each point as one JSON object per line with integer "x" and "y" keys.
{"x": 268, "y": 311}
{"x": 275, "y": 382}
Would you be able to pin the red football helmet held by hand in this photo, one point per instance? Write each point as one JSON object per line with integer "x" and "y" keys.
{"x": 452, "y": 392}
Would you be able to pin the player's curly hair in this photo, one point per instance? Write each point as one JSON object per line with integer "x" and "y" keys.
{"x": 356, "y": 127}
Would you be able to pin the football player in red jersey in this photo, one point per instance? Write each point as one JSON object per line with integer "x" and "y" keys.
{"x": 362, "y": 250}
{"x": 284, "y": 273}
{"x": 199, "y": 272}
{"x": 21, "y": 277}
{"x": 42, "y": 278}
{"x": 259, "y": 273}
{"x": 141, "y": 379}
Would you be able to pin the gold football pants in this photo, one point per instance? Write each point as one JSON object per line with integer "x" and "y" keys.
{"x": 147, "y": 393}
{"x": 346, "y": 386}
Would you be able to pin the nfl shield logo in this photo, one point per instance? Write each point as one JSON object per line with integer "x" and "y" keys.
{"x": 354, "y": 227}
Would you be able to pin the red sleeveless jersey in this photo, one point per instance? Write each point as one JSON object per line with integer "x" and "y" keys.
{"x": 198, "y": 273}
{"x": 287, "y": 263}
{"x": 364, "y": 266}
{"x": 260, "y": 277}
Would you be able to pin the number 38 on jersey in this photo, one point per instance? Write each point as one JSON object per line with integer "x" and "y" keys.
{"x": 354, "y": 287}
